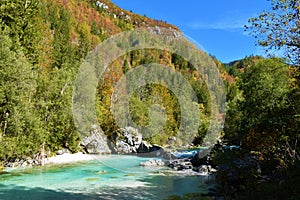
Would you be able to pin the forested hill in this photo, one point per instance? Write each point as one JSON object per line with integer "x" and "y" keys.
{"x": 42, "y": 46}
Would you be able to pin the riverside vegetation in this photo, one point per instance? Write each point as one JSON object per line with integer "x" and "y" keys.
{"x": 44, "y": 42}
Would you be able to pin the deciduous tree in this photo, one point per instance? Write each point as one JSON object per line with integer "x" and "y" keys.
{"x": 279, "y": 28}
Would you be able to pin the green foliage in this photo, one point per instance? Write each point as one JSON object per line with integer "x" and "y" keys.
{"x": 42, "y": 46}
{"x": 286, "y": 189}
{"x": 18, "y": 118}
{"x": 20, "y": 17}
{"x": 62, "y": 49}
{"x": 84, "y": 45}
{"x": 234, "y": 115}
{"x": 153, "y": 106}
{"x": 279, "y": 28}
{"x": 261, "y": 117}
{"x": 266, "y": 91}
{"x": 261, "y": 93}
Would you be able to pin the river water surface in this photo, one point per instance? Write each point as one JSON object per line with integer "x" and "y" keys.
{"x": 107, "y": 177}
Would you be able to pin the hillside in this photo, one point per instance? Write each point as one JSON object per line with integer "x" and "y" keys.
{"x": 43, "y": 45}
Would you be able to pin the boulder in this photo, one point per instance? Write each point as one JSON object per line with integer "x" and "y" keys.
{"x": 180, "y": 164}
{"x": 203, "y": 169}
{"x": 156, "y": 150}
{"x": 126, "y": 140}
{"x": 152, "y": 163}
{"x": 123, "y": 147}
{"x": 201, "y": 158}
{"x": 144, "y": 147}
{"x": 96, "y": 143}
{"x": 148, "y": 150}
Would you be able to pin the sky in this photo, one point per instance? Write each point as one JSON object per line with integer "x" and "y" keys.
{"x": 217, "y": 25}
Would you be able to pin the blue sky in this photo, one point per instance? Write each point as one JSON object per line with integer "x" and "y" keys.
{"x": 217, "y": 25}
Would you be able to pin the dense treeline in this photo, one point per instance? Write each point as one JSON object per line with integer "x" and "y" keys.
{"x": 42, "y": 46}
{"x": 38, "y": 67}
{"x": 262, "y": 124}
{"x": 263, "y": 106}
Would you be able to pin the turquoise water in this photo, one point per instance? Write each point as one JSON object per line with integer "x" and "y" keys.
{"x": 109, "y": 177}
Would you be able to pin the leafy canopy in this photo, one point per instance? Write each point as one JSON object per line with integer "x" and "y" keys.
{"x": 279, "y": 28}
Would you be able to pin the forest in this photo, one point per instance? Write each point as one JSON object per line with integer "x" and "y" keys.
{"x": 43, "y": 43}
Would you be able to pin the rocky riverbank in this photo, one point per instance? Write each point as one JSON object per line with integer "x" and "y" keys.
{"x": 198, "y": 163}
{"x": 126, "y": 141}
{"x": 129, "y": 141}
{"x": 62, "y": 157}
{"x": 25, "y": 162}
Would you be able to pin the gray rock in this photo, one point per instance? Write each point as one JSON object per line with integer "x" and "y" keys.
{"x": 96, "y": 143}
{"x": 62, "y": 151}
{"x": 137, "y": 141}
{"x": 24, "y": 164}
{"x": 29, "y": 161}
{"x": 157, "y": 29}
{"x": 150, "y": 150}
{"x": 129, "y": 139}
{"x": 180, "y": 164}
{"x": 169, "y": 156}
{"x": 203, "y": 169}
{"x": 201, "y": 158}
{"x": 126, "y": 140}
{"x": 152, "y": 163}
{"x": 123, "y": 147}
{"x": 144, "y": 147}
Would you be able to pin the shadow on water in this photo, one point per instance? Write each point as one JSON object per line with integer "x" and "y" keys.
{"x": 24, "y": 193}
{"x": 155, "y": 187}
{"x": 20, "y": 193}
{"x": 179, "y": 186}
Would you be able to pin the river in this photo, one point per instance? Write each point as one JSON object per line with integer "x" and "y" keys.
{"x": 108, "y": 177}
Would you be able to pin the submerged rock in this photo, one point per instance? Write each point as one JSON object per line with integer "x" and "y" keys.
{"x": 102, "y": 172}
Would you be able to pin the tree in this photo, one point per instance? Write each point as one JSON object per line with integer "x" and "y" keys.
{"x": 21, "y": 17}
{"x": 268, "y": 122}
{"x": 21, "y": 132}
{"x": 84, "y": 45}
{"x": 62, "y": 48}
{"x": 279, "y": 28}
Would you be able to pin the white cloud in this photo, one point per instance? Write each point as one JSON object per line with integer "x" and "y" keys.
{"x": 217, "y": 25}
{"x": 230, "y": 22}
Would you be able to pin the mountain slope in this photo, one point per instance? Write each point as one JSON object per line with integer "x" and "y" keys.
{"x": 47, "y": 41}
